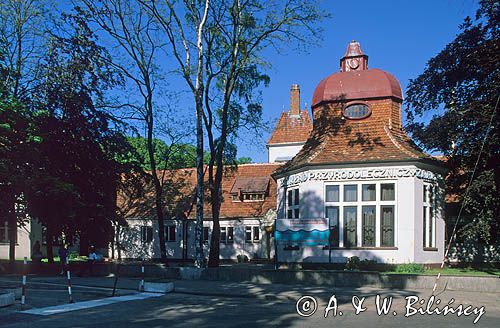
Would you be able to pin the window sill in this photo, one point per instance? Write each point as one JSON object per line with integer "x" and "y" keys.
{"x": 362, "y": 248}
{"x": 430, "y": 249}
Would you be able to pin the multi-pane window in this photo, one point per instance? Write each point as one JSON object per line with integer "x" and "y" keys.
{"x": 350, "y": 226}
{"x": 369, "y": 192}
{"x": 252, "y": 234}
{"x": 249, "y": 197}
{"x": 387, "y": 225}
{"x": 170, "y": 233}
{"x": 428, "y": 217}
{"x": 227, "y": 235}
{"x": 363, "y": 217}
{"x": 387, "y": 191}
{"x": 332, "y": 213}
{"x": 146, "y": 234}
{"x": 4, "y": 232}
{"x": 350, "y": 193}
{"x": 292, "y": 204}
{"x": 332, "y": 193}
{"x": 369, "y": 224}
{"x": 206, "y": 234}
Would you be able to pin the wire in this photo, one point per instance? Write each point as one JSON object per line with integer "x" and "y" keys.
{"x": 453, "y": 234}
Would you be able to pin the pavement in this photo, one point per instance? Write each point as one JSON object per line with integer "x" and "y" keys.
{"x": 216, "y": 303}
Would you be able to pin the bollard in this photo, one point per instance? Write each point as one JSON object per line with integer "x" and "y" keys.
{"x": 68, "y": 273}
{"x": 141, "y": 287}
{"x": 23, "y": 295}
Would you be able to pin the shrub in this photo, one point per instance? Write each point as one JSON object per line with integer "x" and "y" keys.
{"x": 410, "y": 268}
{"x": 242, "y": 258}
{"x": 353, "y": 263}
{"x": 367, "y": 264}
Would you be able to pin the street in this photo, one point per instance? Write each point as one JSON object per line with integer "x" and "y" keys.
{"x": 215, "y": 303}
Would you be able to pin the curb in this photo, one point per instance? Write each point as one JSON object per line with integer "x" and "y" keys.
{"x": 7, "y": 299}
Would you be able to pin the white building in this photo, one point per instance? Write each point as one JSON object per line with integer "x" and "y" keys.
{"x": 359, "y": 186}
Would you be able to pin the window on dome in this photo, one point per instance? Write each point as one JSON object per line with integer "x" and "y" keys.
{"x": 356, "y": 111}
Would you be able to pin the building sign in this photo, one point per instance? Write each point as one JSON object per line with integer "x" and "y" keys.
{"x": 359, "y": 174}
{"x": 308, "y": 232}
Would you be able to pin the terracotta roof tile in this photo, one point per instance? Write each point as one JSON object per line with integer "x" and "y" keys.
{"x": 133, "y": 206}
{"x": 291, "y": 128}
{"x": 336, "y": 140}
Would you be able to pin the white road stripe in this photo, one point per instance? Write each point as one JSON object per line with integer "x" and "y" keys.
{"x": 65, "y": 285}
{"x": 89, "y": 304}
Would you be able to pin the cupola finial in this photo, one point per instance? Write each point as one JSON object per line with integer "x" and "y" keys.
{"x": 354, "y": 59}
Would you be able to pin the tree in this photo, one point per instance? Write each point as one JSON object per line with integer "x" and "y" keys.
{"x": 229, "y": 38}
{"x": 21, "y": 40}
{"x": 460, "y": 87}
{"x": 136, "y": 42}
{"x": 179, "y": 155}
{"x": 22, "y": 37}
{"x": 15, "y": 141}
{"x": 73, "y": 183}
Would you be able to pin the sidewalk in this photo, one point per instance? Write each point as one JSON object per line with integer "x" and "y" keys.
{"x": 265, "y": 292}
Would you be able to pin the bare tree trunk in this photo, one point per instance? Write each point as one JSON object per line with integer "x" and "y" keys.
{"x": 156, "y": 182}
{"x": 200, "y": 257}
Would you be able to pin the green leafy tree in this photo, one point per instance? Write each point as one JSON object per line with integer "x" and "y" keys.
{"x": 73, "y": 185}
{"x": 173, "y": 156}
{"x": 460, "y": 89}
{"x": 15, "y": 152}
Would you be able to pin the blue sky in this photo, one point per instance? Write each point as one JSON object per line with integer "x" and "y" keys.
{"x": 398, "y": 36}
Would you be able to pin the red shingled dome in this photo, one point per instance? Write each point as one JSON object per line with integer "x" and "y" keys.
{"x": 357, "y": 84}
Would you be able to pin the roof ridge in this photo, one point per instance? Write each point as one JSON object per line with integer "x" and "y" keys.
{"x": 396, "y": 143}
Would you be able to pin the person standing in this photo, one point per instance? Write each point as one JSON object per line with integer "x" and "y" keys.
{"x": 63, "y": 256}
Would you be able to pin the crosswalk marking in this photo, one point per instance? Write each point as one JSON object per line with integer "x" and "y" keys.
{"x": 89, "y": 304}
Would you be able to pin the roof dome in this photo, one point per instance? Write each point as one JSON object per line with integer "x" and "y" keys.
{"x": 355, "y": 81}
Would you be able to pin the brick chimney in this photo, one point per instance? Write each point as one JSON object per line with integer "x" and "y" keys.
{"x": 295, "y": 100}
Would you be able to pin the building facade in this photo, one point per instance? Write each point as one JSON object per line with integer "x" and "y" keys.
{"x": 348, "y": 182}
{"x": 359, "y": 186}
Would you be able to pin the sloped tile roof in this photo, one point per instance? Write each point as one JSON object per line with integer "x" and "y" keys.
{"x": 336, "y": 140}
{"x": 291, "y": 128}
{"x": 132, "y": 205}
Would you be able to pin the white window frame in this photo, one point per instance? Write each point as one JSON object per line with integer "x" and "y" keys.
{"x": 378, "y": 203}
{"x": 252, "y": 234}
{"x": 206, "y": 241}
{"x": 144, "y": 236}
{"x": 226, "y": 240}
{"x": 295, "y": 206}
{"x": 429, "y": 214}
{"x": 168, "y": 234}
{"x": 5, "y": 231}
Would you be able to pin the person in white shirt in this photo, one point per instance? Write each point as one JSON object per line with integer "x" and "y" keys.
{"x": 91, "y": 259}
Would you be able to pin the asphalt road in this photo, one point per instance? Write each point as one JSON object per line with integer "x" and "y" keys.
{"x": 241, "y": 305}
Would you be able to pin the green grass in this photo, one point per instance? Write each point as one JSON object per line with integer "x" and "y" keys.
{"x": 454, "y": 272}
{"x": 466, "y": 271}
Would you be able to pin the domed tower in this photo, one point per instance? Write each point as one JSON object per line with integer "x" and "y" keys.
{"x": 361, "y": 174}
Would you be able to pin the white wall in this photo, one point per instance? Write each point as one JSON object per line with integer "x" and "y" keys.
{"x": 23, "y": 246}
{"x": 408, "y": 223}
{"x": 130, "y": 238}
{"x": 283, "y": 150}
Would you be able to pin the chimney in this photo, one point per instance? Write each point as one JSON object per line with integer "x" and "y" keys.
{"x": 295, "y": 100}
